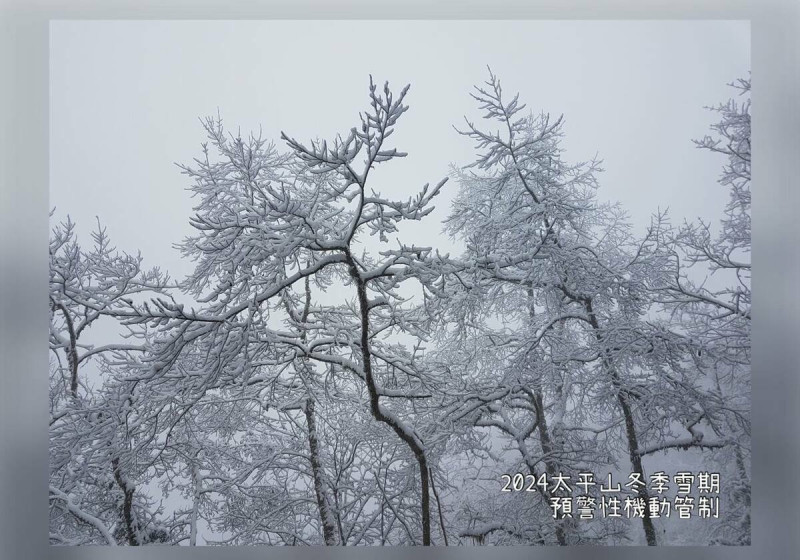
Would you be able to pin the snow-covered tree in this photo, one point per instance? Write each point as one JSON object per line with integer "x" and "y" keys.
{"x": 92, "y": 496}
{"x": 270, "y": 223}
{"x": 317, "y": 380}
{"x": 706, "y": 286}
{"x": 557, "y": 285}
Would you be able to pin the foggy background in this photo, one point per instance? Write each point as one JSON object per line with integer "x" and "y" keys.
{"x": 125, "y": 97}
{"x": 25, "y": 58}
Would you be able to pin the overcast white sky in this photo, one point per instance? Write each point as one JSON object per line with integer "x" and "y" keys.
{"x": 125, "y": 98}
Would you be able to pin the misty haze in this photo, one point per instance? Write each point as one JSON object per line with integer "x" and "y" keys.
{"x": 400, "y": 283}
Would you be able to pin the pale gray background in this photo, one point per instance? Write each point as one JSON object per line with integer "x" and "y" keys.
{"x": 24, "y": 227}
{"x": 125, "y": 98}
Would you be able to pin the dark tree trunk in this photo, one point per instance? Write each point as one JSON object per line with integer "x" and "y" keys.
{"x": 127, "y": 504}
{"x": 375, "y": 407}
{"x": 328, "y": 530}
{"x": 630, "y": 427}
{"x": 72, "y": 352}
{"x": 544, "y": 437}
{"x": 547, "y": 450}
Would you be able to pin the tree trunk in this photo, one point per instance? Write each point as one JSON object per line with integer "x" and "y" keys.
{"x": 72, "y": 352}
{"x": 328, "y": 529}
{"x": 377, "y": 412}
{"x": 630, "y": 427}
{"x": 127, "y": 504}
{"x": 544, "y": 435}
